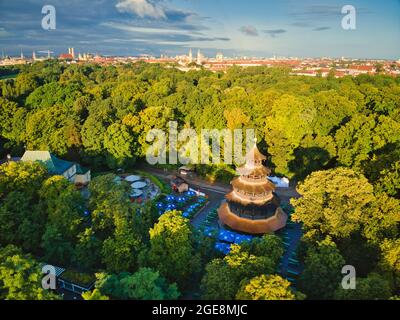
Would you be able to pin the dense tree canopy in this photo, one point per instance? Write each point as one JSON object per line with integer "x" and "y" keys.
{"x": 322, "y": 274}
{"x": 264, "y": 287}
{"x": 339, "y": 138}
{"x": 21, "y": 277}
{"x": 333, "y": 202}
{"x": 172, "y": 248}
{"x": 305, "y": 124}
{"x": 145, "y": 284}
{"x": 224, "y": 276}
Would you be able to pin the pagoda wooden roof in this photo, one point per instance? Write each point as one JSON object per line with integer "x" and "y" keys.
{"x": 258, "y": 171}
{"x": 263, "y": 186}
{"x": 234, "y": 197}
{"x": 275, "y": 223}
{"x": 255, "y": 155}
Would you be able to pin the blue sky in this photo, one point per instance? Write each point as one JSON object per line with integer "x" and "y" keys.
{"x": 309, "y": 28}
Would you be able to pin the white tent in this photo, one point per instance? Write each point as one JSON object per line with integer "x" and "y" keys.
{"x": 139, "y": 185}
{"x": 133, "y": 178}
{"x": 280, "y": 182}
{"x": 136, "y": 193}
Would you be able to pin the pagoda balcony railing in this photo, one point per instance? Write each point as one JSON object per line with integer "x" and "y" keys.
{"x": 253, "y": 196}
{"x": 254, "y": 178}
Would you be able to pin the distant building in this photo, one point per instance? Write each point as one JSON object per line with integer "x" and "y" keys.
{"x": 190, "y": 59}
{"x": 71, "y": 51}
{"x": 200, "y": 57}
{"x": 71, "y": 171}
{"x": 66, "y": 56}
{"x": 179, "y": 185}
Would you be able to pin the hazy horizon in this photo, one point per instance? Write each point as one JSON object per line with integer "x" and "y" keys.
{"x": 256, "y": 28}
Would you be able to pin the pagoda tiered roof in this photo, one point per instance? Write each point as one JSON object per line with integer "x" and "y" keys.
{"x": 252, "y": 206}
{"x": 262, "y": 187}
{"x": 252, "y": 187}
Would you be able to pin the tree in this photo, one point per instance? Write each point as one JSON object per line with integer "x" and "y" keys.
{"x": 21, "y": 277}
{"x": 382, "y": 219}
{"x": 389, "y": 180}
{"x": 364, "y": 135}
{"x": 322, "y": 271}
{"x": 373, "y": 287}
{"x": 114, "y": 222}
{"x": 119, "y": 143}
{"x": 292, "y": 118}
{"x": 390, "y": 250}
{"x": 120, "y": 252}
{"x": 12, "y": 121}
{"x": 333, "y": 202}
{"x": 94, "y": 295}
{"x": 219, "y": 281}
{"x": 270, "y": 246}
{"x": 21, "y": 220}
{"x": 108, "y": 199}
{"x": 52, "y": 129}
{"x": 272, "y": 287}
{"x": 236, "y": 118}
{"x": 149, "y": 119}
{"x": 145, "y": 284}
{"x": 172, "y": 249}
{"x": 246, "y": 265}
{"x": 332, "y": 110}
{"x": 87, "y": 253}
{"x": 25, "y": 83}
{"x": 63, "y": 205}
{"x": 223, "y": 276}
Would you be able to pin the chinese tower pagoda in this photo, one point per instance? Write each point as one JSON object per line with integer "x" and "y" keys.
{"x": 252, "y": 207}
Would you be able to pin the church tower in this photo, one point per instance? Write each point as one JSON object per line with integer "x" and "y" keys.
{"x": 199, "y": 57}
{"x": 190, "y": 56}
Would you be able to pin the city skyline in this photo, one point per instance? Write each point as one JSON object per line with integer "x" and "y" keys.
{"x": 172, "y": 27}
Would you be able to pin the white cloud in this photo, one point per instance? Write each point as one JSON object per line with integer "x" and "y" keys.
{"x": 148, "y": 30}
{"x": 142, "y": 8}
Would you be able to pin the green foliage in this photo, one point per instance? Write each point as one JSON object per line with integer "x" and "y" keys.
{"x": 223, "y": 276}
{"x": 219, "y": 282}
{"x": 270, "y": 246}
{"x": 19, "y": 185}
{"x": 265, "y": 287}
{"x": 94, "y": 295}
{"x": 390, "y": 262}
{"x": 172, "y": 248}
{"x": 333, "y": 202}
{"x": 382, "y": 220}
{"x": 83, "y": 279}
{"x": 101, "y": 115}
{"x": 119, "y": 143}
{"x": 373, "y": 287}
{"x": 389, "y": 181}
{"x": 322, "y": 273}
{"x": 145, "y": 284}
{"x": 21, "y": 277}
{"x": 364, "y": 135}
{"x": 115, "y": 222}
